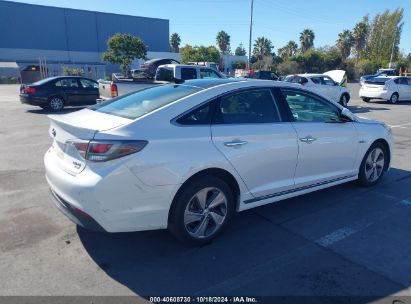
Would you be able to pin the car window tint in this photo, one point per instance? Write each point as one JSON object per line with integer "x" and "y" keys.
{"x": 67, "y": 83}
{"x": 199, "y": 116}
{"x": 145, "y": 101}
{"x": 328, "y": 81}
{"x": 88, "y": 84}
{"x": 316, "y": 80}
{"x": 403, "y": 81}
{"x": 409, "y": 81}
{"x": 187, "y": 73}
{"x": 251, "y": 106}
{"x": 308, "y": 108}
{"x": 165, "y": 74}
{"x": 208, "y": 73}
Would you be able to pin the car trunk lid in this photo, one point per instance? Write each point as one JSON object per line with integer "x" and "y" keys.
{"x": 78, "y": 127}
{"x": 339, "y": 76}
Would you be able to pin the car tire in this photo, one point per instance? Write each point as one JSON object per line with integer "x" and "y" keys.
{"x": 344, "y": 100}
{"x": 373, "y": 165}
{"x": 394, "y": 98}
{"x": 192, "y": 219}
{"x": 366, "y": 99}
{"x": 55, "y": 103}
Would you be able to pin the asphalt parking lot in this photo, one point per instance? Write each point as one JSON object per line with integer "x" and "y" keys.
{"x": 342, "y": 241}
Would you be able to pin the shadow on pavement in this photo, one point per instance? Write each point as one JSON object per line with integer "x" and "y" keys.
{"x": 360, "y": 109}
{"x": 270, "y": 250}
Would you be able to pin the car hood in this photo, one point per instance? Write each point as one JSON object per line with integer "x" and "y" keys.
{"x": 368, "y": 121}
{"x": 338, "y": 76}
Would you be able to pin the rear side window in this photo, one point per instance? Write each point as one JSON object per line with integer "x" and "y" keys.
{"x": 164, "y": 74}
{"x": 208, "y": 73}
{"x": 251, "y": 106}
{"x": 316, "y": 80}
{"x": 145, "y": 101}
{"x": 199, "y": 116}
{"x": 188, "y": 73}
{"x": 296, "y": 79}
{"x": 67, "y": 83}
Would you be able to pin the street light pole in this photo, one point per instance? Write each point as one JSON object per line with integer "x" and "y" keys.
{"x": 251, "y": 31}
{"x": 392, "y": 49}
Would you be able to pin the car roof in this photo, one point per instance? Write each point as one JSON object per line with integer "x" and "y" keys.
{"x": 210, "y": 82}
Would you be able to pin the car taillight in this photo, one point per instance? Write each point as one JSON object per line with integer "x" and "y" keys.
{"x": 99, "y": 151}
{"x": 114, "y": 90}
{"x": 30, "y": 90}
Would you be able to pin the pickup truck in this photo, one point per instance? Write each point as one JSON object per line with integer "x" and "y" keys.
{"x": 165, "y": 74}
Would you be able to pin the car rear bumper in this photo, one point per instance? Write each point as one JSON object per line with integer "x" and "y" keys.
{"x": 75, "y": 215}
{"x": 33, "y": 100}
{"x": 112, "y": 199}
{"x": 374, "y": 94}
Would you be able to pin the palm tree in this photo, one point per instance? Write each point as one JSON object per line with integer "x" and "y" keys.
{"x": 175, "y": 41}
{"x": 262, "y": 47}
{"x": 360, "y": 34}
{"x": 344, "y": 43}
{"x": 223, "y": 42}
{"x": 291, "y": 48}
{"x": 307, "y": 40}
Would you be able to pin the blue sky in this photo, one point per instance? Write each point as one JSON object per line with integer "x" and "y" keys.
{"x": 198, "y": 22}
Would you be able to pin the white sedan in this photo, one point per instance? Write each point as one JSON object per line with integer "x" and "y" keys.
{"x": 187, "y": 157}
{"x": 331, "y": 84}
{"x": 391, "y": 89}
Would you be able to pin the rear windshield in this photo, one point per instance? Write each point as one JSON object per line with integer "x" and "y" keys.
{"x": 145, "y": 101}
{"x": 42, "y": 81}
{"x": 377, "y": 81}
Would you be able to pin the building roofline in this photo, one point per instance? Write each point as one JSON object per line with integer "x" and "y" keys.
{"x": 81, "y": 10}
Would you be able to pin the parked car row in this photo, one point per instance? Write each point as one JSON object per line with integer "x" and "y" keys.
{"x": 392, "y": 89}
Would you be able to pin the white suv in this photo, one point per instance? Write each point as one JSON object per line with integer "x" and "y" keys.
{"x": 331, "y": 84}
{"x": 392, "y": 89}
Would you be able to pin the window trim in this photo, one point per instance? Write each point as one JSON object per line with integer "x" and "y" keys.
{"x": 283, "y": 109}
{"x": 299, "y": 91}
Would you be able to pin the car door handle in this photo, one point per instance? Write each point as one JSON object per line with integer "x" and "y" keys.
{"x": 235, "y": 143}
{"x": 308, "y": 139}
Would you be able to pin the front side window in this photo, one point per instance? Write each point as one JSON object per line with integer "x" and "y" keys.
{"x": 309, "y": 108}
{"x": 188, "y": 73}
{"x": 328, "y": 81}
{"x": 67, "y": 83}
{"x": 145, "y": 101}
{"x": 251, "y": 106}
{"x": 208, "y": 73}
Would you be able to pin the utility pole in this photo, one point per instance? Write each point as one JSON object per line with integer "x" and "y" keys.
{"x": 251, "y": 31}
{"x": 392, "y": 49}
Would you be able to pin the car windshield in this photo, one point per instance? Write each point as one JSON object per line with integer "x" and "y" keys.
{"x": 137, "y": 104}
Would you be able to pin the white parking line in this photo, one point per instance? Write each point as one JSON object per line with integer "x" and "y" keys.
{"x": 342, "y": 233}
{"x": 401, "y": 125}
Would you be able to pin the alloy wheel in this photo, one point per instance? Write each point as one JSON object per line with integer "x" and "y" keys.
{"x": 205, "y": 213}
{"x": 374, "y": 165}
{"x": 56, "y": 103}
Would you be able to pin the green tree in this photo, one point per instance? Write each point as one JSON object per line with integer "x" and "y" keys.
{"x": 385, "y": 32}
{"x": 262, "y": 47}
{"x": 239, "y": 64}
{"x": 360, "y": 35}
{"x": 223, "y": 42}
{"x": 199, "y": 54}
{"x": 307, "y": 37}
{"x": 289, "y": 50}
{"x": 240, "y": 50}
{"x": 175, "y": 41}
{"x": 344, "y": 43}
{"x": 123, "y": 49}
